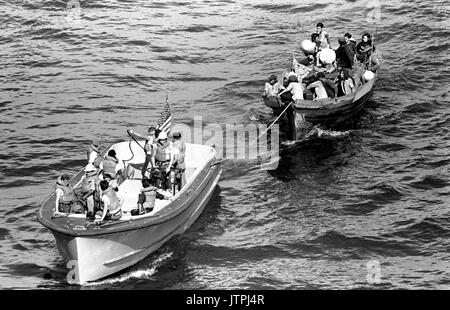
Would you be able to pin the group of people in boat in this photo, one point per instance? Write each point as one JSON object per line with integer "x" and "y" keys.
{"x": 326, "y": 72}
{"x": 98, "y": 195}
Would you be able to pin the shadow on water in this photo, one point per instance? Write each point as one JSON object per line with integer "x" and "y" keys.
{"x": 311, "y": 156}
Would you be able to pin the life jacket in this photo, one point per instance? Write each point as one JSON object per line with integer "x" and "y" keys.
{"x": 150, "y": 196}
{"x": 109, "y": 166}
{"x": 68, "y": 194}
{"x": 87, "y": 183}
{"x": 163, "y": 153}
{"x": 114, "y": 203}
{"x": 179, "y": 151}
{"x": 149, "y": 146}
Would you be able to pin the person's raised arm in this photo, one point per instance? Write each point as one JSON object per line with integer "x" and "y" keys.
{"x": 59, "y": 193}
{"x": 135, "y": 134}
{"x": 105, "y": 209}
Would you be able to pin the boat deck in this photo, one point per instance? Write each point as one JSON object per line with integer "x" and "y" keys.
{"x": 129, "y": 190}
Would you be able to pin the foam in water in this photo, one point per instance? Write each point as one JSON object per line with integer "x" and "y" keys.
{"x": 136, "y": 274}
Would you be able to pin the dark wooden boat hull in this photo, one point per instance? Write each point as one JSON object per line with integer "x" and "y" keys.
{"x": 327, "y": 112}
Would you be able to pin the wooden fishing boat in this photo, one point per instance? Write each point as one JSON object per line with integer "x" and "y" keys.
{"x": 101, "y": 250}
{"x": 328, "y": 113}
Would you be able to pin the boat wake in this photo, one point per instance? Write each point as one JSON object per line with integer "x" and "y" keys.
{"x": 144, "y": 273}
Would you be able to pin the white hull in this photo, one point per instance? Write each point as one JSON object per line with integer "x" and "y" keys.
{"x": 102, "y": 255}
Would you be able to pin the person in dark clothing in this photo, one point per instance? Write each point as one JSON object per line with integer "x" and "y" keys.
{"x": 352, "y": 42}
{"x": 330, "y": 87}
{"x": 345, "y": 54}
{"x": 365, "y": 48}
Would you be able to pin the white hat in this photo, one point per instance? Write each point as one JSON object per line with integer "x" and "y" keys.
{"x": 90, "y": 167}
{"x": 308, "y": 47}
{"x": 368, "y": 75}
{"x": 162, "y": 135}
{"x": 327, "y": 56}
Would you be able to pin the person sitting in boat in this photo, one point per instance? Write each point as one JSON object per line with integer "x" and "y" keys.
{"x": 319, "y": 90}
{"x": 344, "y": 54}
{"x": 272, "y": 88}
{"x": 111, "y": 181}
{"x": 147, "y": 197}
{"x": 366, "y": 53}
{"x": 323, "y": 36}
{"x": 66, "y": 200}
{"x": 149, "y": 148}
{"x": 112, "y": 204}
{"x": 179, "y": 154}
{"x": 345, "y": 82}
{"x": 163, "y": 156}
{"x": 293, "y": 91}
{"x": 330, "y": 87}
{"x": 89, "y": 184}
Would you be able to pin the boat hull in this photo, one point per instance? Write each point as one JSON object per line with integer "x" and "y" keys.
{"x": 328, "y": 113}
{"x": 93, "y": 257}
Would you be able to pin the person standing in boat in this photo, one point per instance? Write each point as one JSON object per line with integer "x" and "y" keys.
{"x": 163, "y": 156}
{"x": 112, "y": 204}
{"x": 110, "y": 164}
{"x": 344, "y": 54}
{"x": 323, "y": 36}
{"x": 89, "y": 184}
{"x": 149, "y": 148}
{"x": 366, "y": 52}
{"x": 351, "y": 42}
{"x": 93, "y": 151}
{"x": 179, "y": 154}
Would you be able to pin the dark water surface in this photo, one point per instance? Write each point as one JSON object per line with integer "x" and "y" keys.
{"x": 331, "y": 206}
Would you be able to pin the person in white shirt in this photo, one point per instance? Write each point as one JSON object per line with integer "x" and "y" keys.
{"x": 294, "y": 87}
{"x": 112, "y": 203}
{"x": 93, "y": 151}
{"x": 149, "y": 148}
{"x": 319, "y": 89}
{"x": 272, "y": 88}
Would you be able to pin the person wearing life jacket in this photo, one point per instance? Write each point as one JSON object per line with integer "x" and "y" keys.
{"x": 147, "y": 197}
{"x": 164, "y": 152}
{"x": 149, "y": 148}
{"x": 88, "y": 188}
{"x": 111, "y": 182}
{"x": 65, "y": 195}
{"x": 110, "y": 164}
{"x": 179, "y": 155}
{"x": 112, "y": 204}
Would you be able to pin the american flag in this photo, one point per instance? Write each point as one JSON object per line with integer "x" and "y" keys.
{"x": 165, "y": 120}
